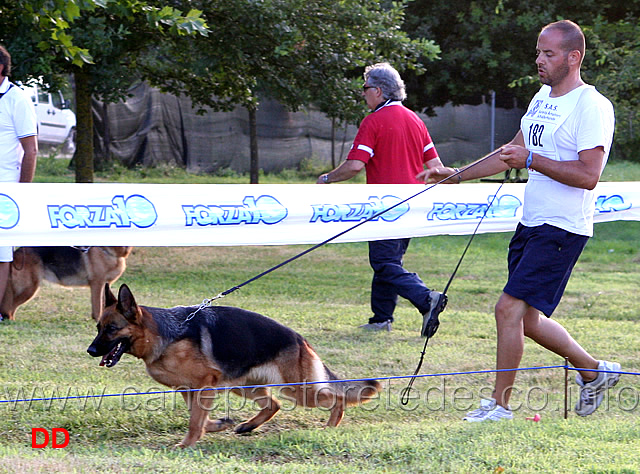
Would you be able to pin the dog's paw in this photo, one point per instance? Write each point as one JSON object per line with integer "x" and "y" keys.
{"x": 219, "y": 425}
{"x": 185, "y": 444}
{"x": 244, "y": 428}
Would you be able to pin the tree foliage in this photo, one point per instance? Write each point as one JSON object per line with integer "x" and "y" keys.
{"x": 94, "y": 41}
{"x": 489, "y": 45}
{"x": 614, "y": 66}
{"x": 298, "y": 52}
{"x": 31, "y": 27}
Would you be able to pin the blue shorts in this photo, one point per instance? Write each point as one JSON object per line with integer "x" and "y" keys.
{"x": 540, "y": 261}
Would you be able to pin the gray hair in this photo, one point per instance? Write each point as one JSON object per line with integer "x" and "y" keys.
{"x": 385, "y": 76}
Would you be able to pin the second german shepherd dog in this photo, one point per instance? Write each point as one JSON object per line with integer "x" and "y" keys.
{"x": 188, "y": 348}
{"x": 66, "y": 266}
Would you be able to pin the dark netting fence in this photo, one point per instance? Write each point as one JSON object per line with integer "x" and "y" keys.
{"x": 152, "y": 128}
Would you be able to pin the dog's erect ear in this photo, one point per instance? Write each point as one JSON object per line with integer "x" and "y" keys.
{"x": 127, "y": 304}
{"x": 109, "y": 297}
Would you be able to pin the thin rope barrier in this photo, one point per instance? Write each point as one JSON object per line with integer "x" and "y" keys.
{"x": 292, "y": 384}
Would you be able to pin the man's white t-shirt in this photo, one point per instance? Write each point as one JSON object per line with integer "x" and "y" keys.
{"x": 559, "y": 128}
{"x": 17, "y": 120}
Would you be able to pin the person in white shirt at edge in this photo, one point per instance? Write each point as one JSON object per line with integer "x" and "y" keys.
{"x": 564, "y": 140}
{"x": 18, "y": 145}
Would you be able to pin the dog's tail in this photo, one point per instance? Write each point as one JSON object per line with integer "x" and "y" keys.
{"x": 355, "y": 392}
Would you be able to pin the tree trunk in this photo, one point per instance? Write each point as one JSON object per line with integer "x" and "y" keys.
{"x": 84, "y": 129}
{"x": 253, "y": 145}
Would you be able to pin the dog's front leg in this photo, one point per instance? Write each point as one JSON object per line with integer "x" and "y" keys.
{"x": 97, "y": 298}
{"x": 211, "y": 426}
{"x": 199, "y": 404}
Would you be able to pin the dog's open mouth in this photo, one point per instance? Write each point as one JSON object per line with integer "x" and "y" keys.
{"x": 112, "y": 358}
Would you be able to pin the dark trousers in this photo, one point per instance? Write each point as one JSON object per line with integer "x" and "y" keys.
{"x": 391, "y": 280}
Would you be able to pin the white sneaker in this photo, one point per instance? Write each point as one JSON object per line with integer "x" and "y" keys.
{"x": 592, "y": 393}
{"x": 383, "y": 326}
{"x": 489, "y": 410}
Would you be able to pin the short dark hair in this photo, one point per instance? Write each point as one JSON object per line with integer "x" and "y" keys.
{"x": 5, "y": 60}
{"x": 572, "y": 36}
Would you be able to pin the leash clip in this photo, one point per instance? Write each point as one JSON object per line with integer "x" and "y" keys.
{"x": 206, "y": 302}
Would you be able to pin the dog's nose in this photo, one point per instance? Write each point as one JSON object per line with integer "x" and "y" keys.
{"x": 92, "y": 351}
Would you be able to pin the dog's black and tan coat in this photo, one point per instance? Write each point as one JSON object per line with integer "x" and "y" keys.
{"x": 66, "y": 266}
{"x": 222, "y": 347}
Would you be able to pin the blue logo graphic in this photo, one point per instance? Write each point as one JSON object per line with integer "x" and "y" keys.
{"x": 264, "y": 209}
{"x": 506, "y": 206}
{"x": 9, "y": 212}
{"x": 134, "y": 210}
{"x": 355, "y": 212}
{"x": 535, "y": 108}
{"x": 612, "y": 203}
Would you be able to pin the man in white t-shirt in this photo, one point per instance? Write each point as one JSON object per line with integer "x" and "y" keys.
{"x": 564, "y": 141}
{"x": 18, "y": 145}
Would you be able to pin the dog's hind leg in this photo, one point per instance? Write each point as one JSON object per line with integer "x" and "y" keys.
{"x": 269, "y": 407}
{"x": 319, "y": 395}
{"x": 337, "y": 412}
{"x": 25, "y": 274}
{"x": 326, "y": 397}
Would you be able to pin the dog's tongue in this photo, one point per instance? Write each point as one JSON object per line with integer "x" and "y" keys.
{"x": 108, "y": 359}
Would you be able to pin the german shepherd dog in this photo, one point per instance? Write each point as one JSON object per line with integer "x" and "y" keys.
{"x": 188, "y": 348}
{"x": 66, "y": 266}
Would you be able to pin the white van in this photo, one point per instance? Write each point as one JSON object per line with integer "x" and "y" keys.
{"x": 56, "y": 121}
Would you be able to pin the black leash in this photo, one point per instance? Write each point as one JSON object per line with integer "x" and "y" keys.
{"x": 435, "y": 323}
{"x": 208, "y": 302}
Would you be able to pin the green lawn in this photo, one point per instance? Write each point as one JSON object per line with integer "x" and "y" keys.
{"x": 325, "y": 296}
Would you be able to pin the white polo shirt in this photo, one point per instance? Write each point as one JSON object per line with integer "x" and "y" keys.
{"x": 17, "y": 120}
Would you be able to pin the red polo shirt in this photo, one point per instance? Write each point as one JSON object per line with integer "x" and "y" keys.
{"x": 394, "y": 144}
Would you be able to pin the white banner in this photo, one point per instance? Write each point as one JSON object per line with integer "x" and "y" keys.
{"x": 38, "y": 214}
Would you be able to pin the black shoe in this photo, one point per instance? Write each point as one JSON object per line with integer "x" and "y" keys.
{"x": 430, "y": 322}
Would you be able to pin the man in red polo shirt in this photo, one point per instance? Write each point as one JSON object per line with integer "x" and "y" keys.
{"x": 393, "y": 145}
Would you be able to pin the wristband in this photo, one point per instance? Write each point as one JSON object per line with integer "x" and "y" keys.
{"x": 529, "y": 160}
{"x": 457, "y": 170}
{"x": 325, "y": 178}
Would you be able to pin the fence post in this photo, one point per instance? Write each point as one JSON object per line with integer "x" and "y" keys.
{"x": 566, "y": 386}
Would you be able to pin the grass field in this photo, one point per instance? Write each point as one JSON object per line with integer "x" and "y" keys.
{"x": 325, "y": 296}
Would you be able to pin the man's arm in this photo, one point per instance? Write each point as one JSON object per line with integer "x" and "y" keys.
{"x": 581, "y": 173}
{"x": 346, "y": 170}
{"x": 489, "y": 165}
{"x": 28, "y": 168}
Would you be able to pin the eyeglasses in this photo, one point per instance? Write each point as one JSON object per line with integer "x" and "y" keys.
{"x": 365, "y": 87}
